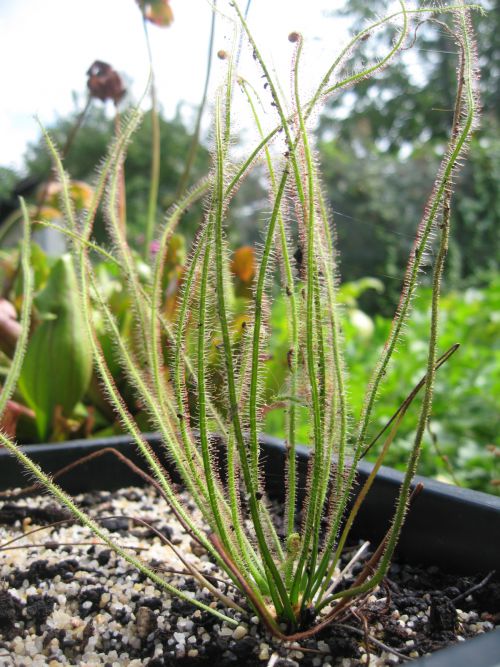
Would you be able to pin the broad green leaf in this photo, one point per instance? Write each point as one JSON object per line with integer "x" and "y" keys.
{"x": 58, "y": 363}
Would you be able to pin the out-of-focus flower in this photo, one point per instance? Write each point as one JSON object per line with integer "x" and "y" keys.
{"x": 104, "y": 82}
{"x": 154, "y": 247}
{"x": 49, "y": 195}
{"x": 243, "y": 264}
{"x": 158, "y": 12}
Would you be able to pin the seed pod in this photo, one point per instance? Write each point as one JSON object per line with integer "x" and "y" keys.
{"x": 58, "y": 363}
{"x": 104, "y": 83}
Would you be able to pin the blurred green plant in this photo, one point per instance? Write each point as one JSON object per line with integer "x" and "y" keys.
{"x": 389, "y": 136}
{"x": 463, "y": 440}
{"x": 462, "y": 444}
{"x": 58, "y": 396}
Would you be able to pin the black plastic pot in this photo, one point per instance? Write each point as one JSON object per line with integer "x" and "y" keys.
{"x": 456, "y": 529}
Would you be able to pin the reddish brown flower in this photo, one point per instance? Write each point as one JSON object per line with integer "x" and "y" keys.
{"x": 13, "y": 412}
{"x": 104, "y": 82}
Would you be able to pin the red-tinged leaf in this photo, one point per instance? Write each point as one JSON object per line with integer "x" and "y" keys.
{"x": 11, "y": 415}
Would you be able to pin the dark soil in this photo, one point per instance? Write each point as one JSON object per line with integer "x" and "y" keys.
{"x": 416, "y": 611}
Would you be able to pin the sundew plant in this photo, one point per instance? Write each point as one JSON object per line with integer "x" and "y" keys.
{"x": 211, "y": 430}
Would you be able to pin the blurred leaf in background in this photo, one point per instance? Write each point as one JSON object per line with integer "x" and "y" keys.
{"x": 463, "y": 443}
{"x": 465, "y": 419}
{"x": 380, "y": 151}
{"x": 90, "y": 146}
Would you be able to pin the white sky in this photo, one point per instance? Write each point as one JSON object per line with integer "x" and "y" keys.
{"x": 46, "y": 46}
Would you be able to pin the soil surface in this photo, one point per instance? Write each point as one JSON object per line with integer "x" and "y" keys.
{"x": 65, "y": 599}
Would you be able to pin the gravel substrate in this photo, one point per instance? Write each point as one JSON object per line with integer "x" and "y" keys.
{"x": 67, "y": 600}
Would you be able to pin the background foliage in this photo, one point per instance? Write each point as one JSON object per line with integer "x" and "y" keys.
{"x": 380, "y": 152}
{"x": 462, "y": 445}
